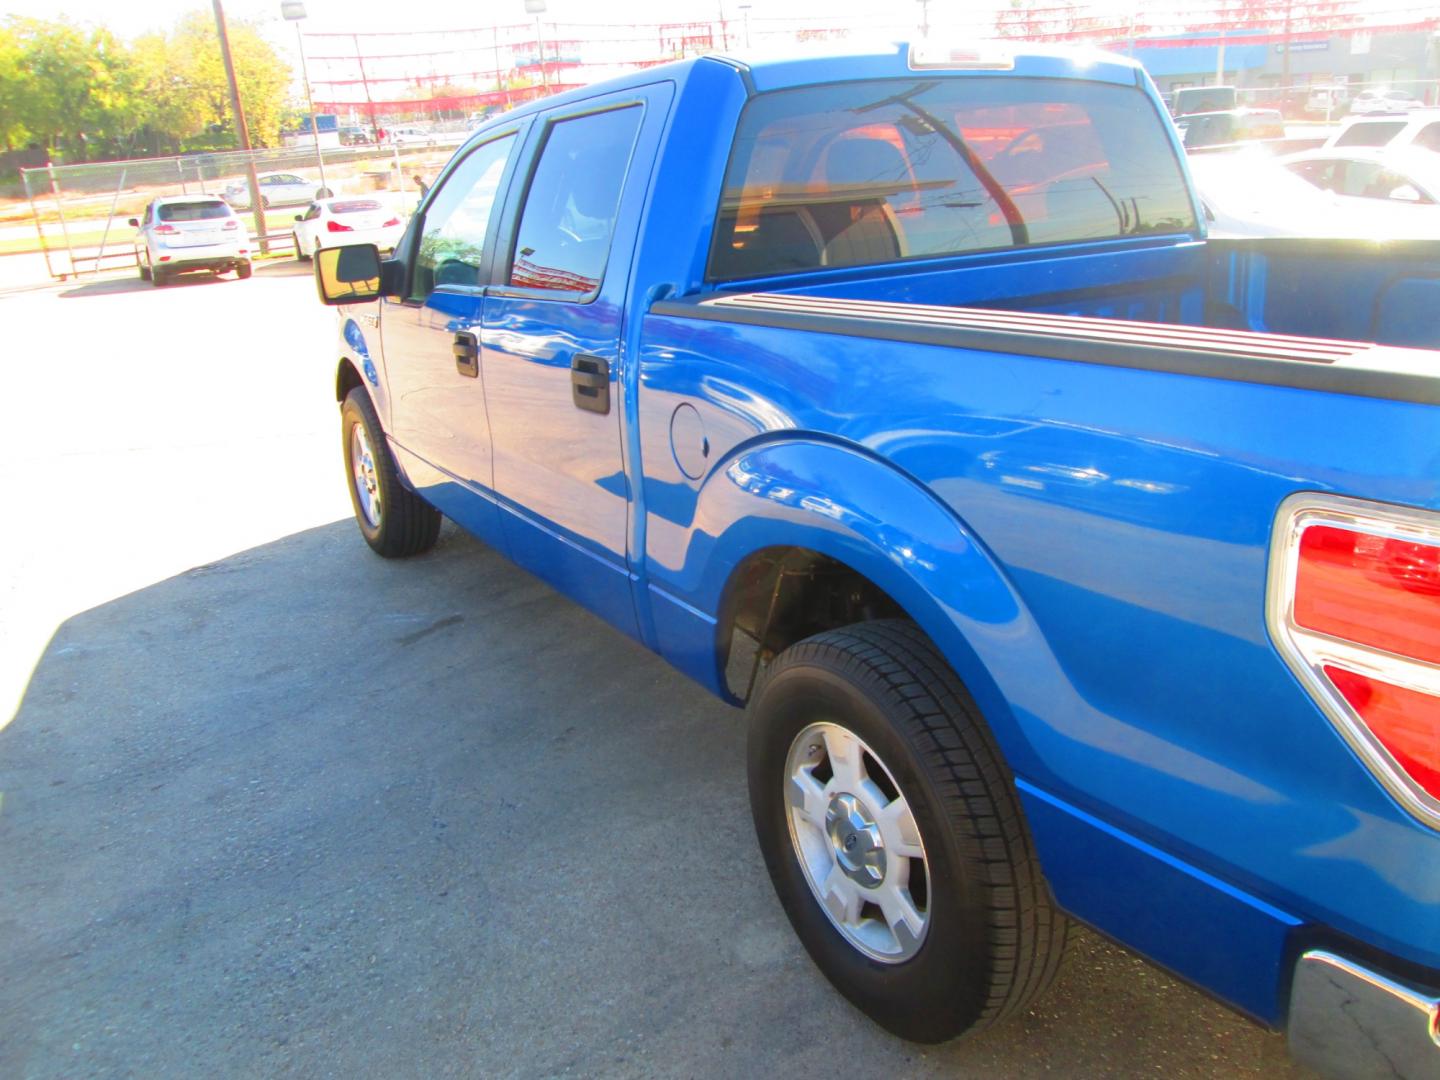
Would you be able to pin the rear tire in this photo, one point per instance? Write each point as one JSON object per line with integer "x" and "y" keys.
{"x": 243, "y": 270}
{"x": 394, "y": 520}
{"x": 982, "y": 938}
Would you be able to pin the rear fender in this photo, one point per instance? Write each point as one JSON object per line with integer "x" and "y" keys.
{"x": 829, "y": 497}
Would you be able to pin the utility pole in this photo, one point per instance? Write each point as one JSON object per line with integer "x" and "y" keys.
{"x": 1285, "y": 60}
{"x": 365, "y": 85}
{"x": 924, "y": 18}
{"x": 724, "y": 33}
{"x": 244, "y": 132}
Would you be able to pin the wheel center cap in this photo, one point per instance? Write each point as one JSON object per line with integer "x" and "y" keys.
{"x": 856, "y": 839}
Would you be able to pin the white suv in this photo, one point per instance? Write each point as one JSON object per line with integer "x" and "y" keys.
{"x": 1420, "y": 128}
{"x": 190, "y": 232}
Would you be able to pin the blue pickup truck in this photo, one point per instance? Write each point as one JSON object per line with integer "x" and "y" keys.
{"x": 1071, "y": 567}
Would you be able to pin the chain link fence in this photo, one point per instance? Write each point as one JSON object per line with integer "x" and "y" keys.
{"x": 82, "y": 212}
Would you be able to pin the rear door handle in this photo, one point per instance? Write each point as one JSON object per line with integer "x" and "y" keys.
{"x": 590, "y": 383}
{"x": 467, "y": 354}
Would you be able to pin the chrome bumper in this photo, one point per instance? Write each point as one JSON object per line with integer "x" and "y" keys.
{"x": 1349, "y": 1023}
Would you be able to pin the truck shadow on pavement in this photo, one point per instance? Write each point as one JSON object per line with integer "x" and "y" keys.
{"x": 306, "y": 811}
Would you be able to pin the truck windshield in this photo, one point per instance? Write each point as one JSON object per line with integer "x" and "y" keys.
{"x": 859, "y": 173}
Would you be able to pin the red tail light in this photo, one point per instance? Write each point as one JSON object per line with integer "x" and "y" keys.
{"x": 1355, "y": 609}
{"x": 232, "y": 224}
{"x": 335, "y": 226}
{"x": 392, "y": 221}
{"x": 165, "y": 230}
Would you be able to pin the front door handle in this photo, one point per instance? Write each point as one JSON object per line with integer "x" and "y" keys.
{"x": 590, "y": 383}
{"x": 467, "y": 354}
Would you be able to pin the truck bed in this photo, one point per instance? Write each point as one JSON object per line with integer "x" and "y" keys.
{"x": 1337, "y": 289}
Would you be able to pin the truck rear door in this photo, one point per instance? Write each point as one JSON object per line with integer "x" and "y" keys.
{"x": 552, "y": 356}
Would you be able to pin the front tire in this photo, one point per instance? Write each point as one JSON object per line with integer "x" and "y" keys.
{"x": 893, "y": 834}
{"x": 394, "y": 520}
{"x": 299, "y": 250}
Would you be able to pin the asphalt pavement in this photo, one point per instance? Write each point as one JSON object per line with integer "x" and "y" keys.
{"x": 272, "y": 806}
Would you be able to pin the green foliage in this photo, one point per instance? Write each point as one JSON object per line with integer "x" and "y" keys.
{"x": 83, "y": 92}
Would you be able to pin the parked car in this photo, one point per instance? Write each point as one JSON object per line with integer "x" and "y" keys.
{"x": 1404, "y": 180}
{"x": 1375, "y": 102}
{"x": 1249, "y": 193}
{"x": 276, "y": 189}
{"x": 345, "y": 220}
{"x": 1232, "y": 126}
{"x": 1203, "y": 99}
{"x": 1071, "y": 565}
{"x": 356, "y": 136}
{"x": 181, "y": 233}
{"x": 410, "y": 136}
{"x": 1420, "y": 128}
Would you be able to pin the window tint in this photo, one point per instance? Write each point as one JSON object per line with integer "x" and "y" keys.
{"x": 1374, "y": 134}
{"x": 870, "y": 172}
{"x": 1428, "y": 137}
{"x": 570, "y": 209}
{"x": 353, "y": 206}
{"x": 192, "y": 211}
{"x": 452, "y": 243}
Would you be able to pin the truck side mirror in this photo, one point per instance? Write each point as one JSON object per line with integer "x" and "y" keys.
{"x": 348, "y": 275}
{"x": 134, "y": 223}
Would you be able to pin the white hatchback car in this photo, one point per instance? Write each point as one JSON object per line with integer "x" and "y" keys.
{"x": 190, "y": 232}
{"x": 343, "y": 220}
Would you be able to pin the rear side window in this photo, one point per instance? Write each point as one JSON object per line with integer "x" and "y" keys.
{"x": 1376, "y": 134}
{"x": 871, "y": 172}
{"x": 354, "y": 206}
{"x": 569, "y": 215}
{"x": 192, "y": 211}
{"x": 1428, "y": 137}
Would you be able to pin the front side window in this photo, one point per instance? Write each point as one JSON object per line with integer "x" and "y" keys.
{"x": 569, "y": 215}
{"x": 870, "y": 172}
{"x": 452, "y": 241}
{"x": 1428, "y": 137}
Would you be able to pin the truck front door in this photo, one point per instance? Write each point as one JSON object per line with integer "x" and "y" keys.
{"x": 431, "y": 339}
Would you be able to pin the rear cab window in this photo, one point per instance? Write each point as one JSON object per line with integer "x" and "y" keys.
{"x": 871, "y": 172}
{"x": 199, "y": 210}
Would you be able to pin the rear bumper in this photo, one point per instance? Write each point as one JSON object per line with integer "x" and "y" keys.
{"x": 1349, "y": 1022}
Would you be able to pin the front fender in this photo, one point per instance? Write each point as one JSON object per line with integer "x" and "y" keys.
{"x": 355, "y": 350}
{"x": 843, "y": 502}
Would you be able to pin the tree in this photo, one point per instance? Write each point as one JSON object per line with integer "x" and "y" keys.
{"x": 198, "y": 94}
{"x": 73, "y": 82}
{"x": 13, "y": 132}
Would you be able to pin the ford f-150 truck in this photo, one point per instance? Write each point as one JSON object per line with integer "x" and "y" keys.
{"x": 1072, "y": 568}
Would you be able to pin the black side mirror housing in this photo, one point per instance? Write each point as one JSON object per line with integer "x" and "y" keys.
{"x": 134, "y": 223}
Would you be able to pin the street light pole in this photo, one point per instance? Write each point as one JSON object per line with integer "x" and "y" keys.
{"x": 745, "y": 16}
{"x": 294, "y": 11}
{"x": 537, "y": 8}
{"x": 256, "y": 208}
